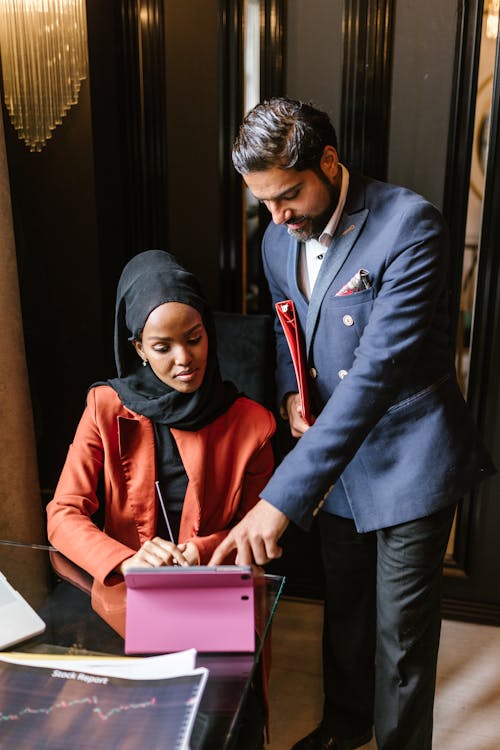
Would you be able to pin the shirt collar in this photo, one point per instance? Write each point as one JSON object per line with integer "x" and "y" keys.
{"x": 329, "y": 231}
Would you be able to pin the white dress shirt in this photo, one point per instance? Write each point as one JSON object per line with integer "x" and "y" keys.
{"x": 312, "y": 252}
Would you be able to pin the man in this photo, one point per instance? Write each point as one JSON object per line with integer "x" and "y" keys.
{"x": 393, "y": 446}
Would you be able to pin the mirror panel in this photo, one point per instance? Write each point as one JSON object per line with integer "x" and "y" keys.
{"x": 251, "y": 97}
{"x": 479, "y": 159}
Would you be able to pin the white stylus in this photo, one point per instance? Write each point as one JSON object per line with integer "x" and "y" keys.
{"x": 157, "y": 484}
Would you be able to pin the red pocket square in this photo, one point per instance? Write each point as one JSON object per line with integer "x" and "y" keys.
{"x": 359, "y": 282}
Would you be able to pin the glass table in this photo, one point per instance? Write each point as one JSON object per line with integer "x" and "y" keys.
{"x": 230, "y": 712}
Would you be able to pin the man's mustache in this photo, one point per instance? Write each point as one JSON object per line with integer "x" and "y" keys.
{"x": 296, "y": 219}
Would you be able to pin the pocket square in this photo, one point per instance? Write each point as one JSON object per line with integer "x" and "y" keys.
{"x": 360, "y": 281}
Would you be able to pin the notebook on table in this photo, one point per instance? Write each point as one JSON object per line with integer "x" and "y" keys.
{"x": 174, "y": 608}
{"x": 18, "y": 620}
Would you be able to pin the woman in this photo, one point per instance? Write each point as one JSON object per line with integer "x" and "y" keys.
{"x": 173, "y": 455}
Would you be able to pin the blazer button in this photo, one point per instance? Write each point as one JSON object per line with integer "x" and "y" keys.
{"x": 342, "y": 374}
{"x": 313, "y": 373}
{"x": 347, "y": 320}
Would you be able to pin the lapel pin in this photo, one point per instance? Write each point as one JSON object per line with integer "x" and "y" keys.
{"x": 349, "y": 229}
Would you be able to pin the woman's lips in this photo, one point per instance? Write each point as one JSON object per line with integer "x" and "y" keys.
{"x": 187, "y": 376}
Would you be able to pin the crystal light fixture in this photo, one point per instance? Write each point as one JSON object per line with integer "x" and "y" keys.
{"x": 43, "y": 47}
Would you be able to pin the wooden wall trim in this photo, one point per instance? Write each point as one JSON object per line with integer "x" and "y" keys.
{"x": 144, "y": 124}
{"x": 230, "y": 114}
{"x": 470, "y": 611}
{"x": 460, "y": 139}
{"x": 455, "y": 203}
{"x": 272, "y": 82}
{"x": 366, "y": 86}
{"x": 273, "y": 48}
{"x": 485, "y": 346}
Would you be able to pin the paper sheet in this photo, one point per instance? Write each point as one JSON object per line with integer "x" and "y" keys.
{"x": 84, "y": 702}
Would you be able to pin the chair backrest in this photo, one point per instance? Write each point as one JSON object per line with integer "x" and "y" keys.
{"x": 246, "y": 354}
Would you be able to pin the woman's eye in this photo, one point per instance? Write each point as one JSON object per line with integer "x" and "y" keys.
{"x": 193, "y": 342}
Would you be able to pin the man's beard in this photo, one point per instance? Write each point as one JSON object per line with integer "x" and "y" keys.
{"x": 310, "y": 230}
{"x": 314, "y": 225}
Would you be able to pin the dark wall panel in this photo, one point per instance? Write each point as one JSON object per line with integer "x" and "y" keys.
{"x": 422, "y": 93}
{"x": 191, "y": 34}
{"x": 56, "y": 241}
{"x": 316, "y": 25}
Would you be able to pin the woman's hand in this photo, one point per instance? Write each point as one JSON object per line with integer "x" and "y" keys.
{"x": 157, "y": 552}
{"x": 190, "y": 552}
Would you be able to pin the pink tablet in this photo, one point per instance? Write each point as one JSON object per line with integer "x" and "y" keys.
{"x": 175, "y": 608}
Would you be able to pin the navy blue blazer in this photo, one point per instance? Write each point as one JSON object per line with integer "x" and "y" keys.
{"x": 392, "y": 426}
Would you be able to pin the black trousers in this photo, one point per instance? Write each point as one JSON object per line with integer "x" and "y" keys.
{"x": 381, "y": 628}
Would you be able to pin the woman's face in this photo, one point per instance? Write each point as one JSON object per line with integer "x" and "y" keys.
{"x": 175, "y": 343}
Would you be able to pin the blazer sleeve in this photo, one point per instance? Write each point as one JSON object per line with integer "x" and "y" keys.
{"x": 412, "y": 283}
{"x": 69, "y": 523}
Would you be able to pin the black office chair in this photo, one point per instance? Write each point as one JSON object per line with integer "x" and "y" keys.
{"x": 246, "y": 354}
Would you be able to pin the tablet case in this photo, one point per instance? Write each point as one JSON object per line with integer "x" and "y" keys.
{"x": 174, "y": 608}
{"x": 291, "y": 329}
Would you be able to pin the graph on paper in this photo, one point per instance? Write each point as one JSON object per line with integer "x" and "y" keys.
{"x": 57, "y": 709}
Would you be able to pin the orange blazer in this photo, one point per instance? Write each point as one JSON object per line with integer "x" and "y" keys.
{"x": 112, "y": 460}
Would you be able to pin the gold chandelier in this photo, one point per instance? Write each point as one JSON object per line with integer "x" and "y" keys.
{"x": 43, "y": 46}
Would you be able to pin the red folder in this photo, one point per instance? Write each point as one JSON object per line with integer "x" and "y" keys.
{"x": 291, "y": 329}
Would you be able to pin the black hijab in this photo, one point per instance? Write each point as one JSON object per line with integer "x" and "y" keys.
{"x": 148, "y": 280}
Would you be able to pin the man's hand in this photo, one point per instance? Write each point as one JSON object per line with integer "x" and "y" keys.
{"x": 254, "y": 537}
{"x": 294, "y": 410}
